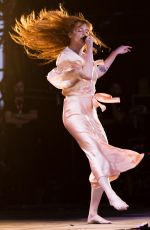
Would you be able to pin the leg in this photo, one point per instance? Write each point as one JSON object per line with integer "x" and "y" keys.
{"x": 98, "y": 151}
{"x": 93, "y": 217}
{"x": 113, "y": 198}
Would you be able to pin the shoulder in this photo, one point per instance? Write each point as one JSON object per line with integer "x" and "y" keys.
{"x": 67, "y": 55}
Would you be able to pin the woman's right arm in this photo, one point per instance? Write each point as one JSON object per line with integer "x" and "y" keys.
{"x": 88, "y": 58}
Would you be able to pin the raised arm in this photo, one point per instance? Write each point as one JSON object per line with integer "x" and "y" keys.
{"x": 88, "y": 57}
{"x": 110, "y": 59}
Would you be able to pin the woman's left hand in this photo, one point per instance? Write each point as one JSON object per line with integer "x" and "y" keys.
{"x": 123, "y": 49}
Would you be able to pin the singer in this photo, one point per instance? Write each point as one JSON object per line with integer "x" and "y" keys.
{"x": 68, "y": 39}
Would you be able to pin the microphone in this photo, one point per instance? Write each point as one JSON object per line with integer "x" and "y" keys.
{"x": 98, "y": 47}
{"x": 83, "y": 38}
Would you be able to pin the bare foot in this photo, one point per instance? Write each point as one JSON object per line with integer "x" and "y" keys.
{"x": 118, "y": 203}
{"x": 97, "y": 220}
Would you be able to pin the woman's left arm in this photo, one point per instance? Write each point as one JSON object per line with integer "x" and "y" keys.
{"x": 110, "y": 59}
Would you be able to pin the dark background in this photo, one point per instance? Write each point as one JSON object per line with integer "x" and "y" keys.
{"x": 40, "y": 164}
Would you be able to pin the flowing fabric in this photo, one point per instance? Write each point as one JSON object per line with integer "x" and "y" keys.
{"x": 81, "y": 120}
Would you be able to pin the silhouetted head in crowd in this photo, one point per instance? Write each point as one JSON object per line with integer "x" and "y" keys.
{"x": 19, "y": 88}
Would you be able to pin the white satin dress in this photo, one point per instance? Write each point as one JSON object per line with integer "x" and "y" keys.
{"x": 81, "y": 120}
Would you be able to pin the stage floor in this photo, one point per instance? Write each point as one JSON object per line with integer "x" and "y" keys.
{"x": 124, "y": 222}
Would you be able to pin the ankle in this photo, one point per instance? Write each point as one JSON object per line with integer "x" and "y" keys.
{"x": 111, "y": 196}
{"x": 92, "y": 214}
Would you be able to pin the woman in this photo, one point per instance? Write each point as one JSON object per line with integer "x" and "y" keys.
{"x": 69, "y": 39}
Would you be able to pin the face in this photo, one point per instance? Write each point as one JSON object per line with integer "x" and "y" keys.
{"x": 19, "y": 88}
{"x": 80, "y": 30}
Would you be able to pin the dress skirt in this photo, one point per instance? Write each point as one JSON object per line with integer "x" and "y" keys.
{"x": 81, "y": 120}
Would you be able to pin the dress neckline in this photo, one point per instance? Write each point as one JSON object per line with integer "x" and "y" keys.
{"x": 73, "y": 52}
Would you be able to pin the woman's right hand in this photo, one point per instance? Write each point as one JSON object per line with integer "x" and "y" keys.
{"x": 89, "y": 42}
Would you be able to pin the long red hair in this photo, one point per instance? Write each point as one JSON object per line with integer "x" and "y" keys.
{"x": 45, "y": 35}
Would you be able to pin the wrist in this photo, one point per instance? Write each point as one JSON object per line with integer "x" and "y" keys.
{"x": 90, "y": 49}
{"x": 114, "y": 53}
{"x": 89, "y": 52}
